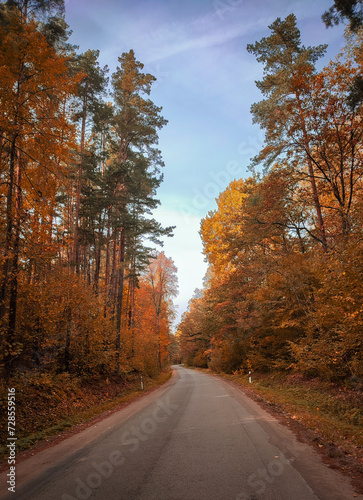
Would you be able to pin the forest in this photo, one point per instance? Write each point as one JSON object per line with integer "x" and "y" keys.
{"x": 86, "y": 292}
{"x": 83, "y": 290}
{"x": 284, "y": 287}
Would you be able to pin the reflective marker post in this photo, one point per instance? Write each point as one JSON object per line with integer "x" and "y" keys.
{"x": 249, "y": 376}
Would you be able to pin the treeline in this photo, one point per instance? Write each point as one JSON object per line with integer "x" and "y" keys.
{"x": 80, "y": 290}
{"x": 284, "y": 289}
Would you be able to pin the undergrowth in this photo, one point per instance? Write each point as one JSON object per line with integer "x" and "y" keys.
{"x": 334, "y": 412}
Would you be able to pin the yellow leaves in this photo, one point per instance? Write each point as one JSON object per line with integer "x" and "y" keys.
{"x": 297, "y": 305}
{"x": 220, "y": 229}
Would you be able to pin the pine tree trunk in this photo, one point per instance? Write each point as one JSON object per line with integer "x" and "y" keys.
{"x": 96, "y": 276}
{"x": 120, "y": 286}
{"x": 9, "y": 233}
{"x": 107, "y": 257}
{"x": 79, "y": 184}
{"x": 13, "y": 282}
{"x": 113, "y": 280}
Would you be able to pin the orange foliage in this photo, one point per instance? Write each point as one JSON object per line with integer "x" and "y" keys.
{"x": 71, "y": 250}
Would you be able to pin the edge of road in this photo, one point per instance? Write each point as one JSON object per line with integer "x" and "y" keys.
{"x": 353, "y": 471}
{"x": 47, "y": 455}
{"x": 51, "y": 441}
{"x": 43, "y": 464}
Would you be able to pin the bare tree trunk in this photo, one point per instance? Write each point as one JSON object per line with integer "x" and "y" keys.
{"x": 159, "y": 340}
{"x": 67, "y": 346}
{"x": 9, "y": 232}
{"x": 96, "y": 275}
{"x": 107, "y": 263}
{"x": 79, "y": 184}
{"x": 13, "y": 283}
{"x": 113, "y": 280}
{"x": 120, "y": 290}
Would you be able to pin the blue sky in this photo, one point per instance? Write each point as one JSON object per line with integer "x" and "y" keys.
{"x": 205, "y": 83}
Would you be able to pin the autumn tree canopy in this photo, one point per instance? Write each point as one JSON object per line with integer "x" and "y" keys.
{"x": 79, "y": 171}
{"x": 284, "y": 246}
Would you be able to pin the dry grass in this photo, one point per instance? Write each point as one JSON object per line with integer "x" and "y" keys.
{"x": 333, "y": 412}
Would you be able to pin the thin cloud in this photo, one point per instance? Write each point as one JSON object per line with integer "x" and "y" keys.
{"x": 192, "y": 42}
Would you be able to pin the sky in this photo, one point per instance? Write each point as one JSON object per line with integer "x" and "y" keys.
{"x": 205, "y": 84}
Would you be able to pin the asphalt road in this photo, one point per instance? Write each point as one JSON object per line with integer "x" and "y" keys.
{"x": 196, "y": 438}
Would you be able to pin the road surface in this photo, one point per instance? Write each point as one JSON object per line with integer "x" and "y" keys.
{"x": 196, "y": 438}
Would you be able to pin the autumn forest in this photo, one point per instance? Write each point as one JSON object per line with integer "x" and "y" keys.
{"x": 284, "y": 290}
{"x": 83, "y": 290}
{"x": 85, "y": 287}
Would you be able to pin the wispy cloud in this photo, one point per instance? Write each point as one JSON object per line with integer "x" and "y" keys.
{"x": 195, "y": 43}
{"x": 202, "y": 32}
